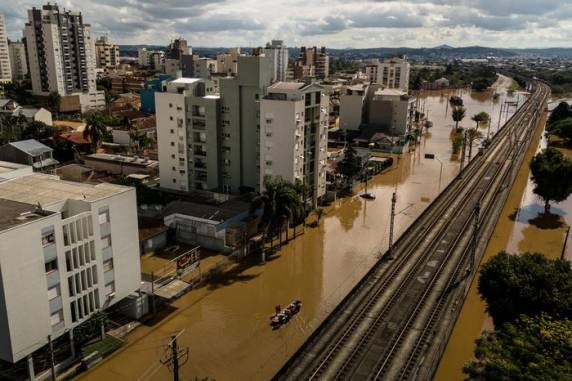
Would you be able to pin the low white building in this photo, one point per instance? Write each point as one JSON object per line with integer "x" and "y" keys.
{"x": 351, "y": 107}
{"x": 67, "y": 250}
{"x": 294, "y": 135}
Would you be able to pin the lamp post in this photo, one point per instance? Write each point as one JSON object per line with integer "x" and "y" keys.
{"x": 433, "y": 157}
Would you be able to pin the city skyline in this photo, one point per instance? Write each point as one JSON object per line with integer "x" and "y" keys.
{"x": 336, "y": 24}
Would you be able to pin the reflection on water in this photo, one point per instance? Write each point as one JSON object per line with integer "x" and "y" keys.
{"x": 226, "y": 322}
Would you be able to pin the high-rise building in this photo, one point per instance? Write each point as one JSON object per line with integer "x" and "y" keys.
{"x": 312, "y": 62}
{"x": 240, "y": 121}
{"x": 61, "y": 55}
{"x": 18, "y": 60}
{"x": 68, "y": 251}
{"x": 278, "y": 53}
{"x": 393, "y": 73}
{"x": 227, "y": 63}
{"x": 152, "y": 59}
{"x": 294, "y": 136}
{"x": 107, "y": 53}
{"x": 177, "y": 49}
{"x": 5, "y": 67}
{"x": 188, "y": 135}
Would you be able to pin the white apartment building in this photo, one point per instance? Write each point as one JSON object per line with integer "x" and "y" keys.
{"x": 151, "y": 59}
{"x": 392, "y": 110}
{"x": 67, "y": 250}
{"x": 188, "y": 135}
{"x": 5, "y": 67}
{"x": 61, "y": 53}
{"x": 107, "y": 53}
{"x": 18, "y": 60}
{"x": 294, "y": 135}
{"x": 204, "y": 67}
{"x": 393, "y": 73}
{"x": 278, "y": 53}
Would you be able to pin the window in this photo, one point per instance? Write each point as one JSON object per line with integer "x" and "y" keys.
{"x": 56, "y": 318}
{"x": 106, "y": 242}
{"x": 71, "y": 286}
{"x": 317, "y": 97}
{"x": 172, "y": 144}
{"x": 170, "y": 118}
{"x": 53, "y": 292}
{"x": 172, "y": 131}
{"x": 108, "y": 265}
{"x": 52, "y": 266}
{"x": 73, "y": 313}
{"x": 48, "y": 239}
{"x": 103, "y": 217}
{"x": 109, "y": 289}
{"x": 170, "y": 105}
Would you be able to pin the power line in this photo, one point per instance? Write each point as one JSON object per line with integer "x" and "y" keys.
{"x": 176, "y": 357}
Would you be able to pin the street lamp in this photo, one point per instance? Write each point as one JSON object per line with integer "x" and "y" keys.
{"x": 433, "y": 157}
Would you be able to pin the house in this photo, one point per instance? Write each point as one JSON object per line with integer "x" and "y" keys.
{"x": 146, "y": 125}
{"x": 8, "y": 105}
{"x": 35, "y": 115}
{"x": 216, "y": 227}
{"x": 29, "y": 152}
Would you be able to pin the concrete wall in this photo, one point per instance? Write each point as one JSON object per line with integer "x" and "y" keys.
{"x": 351, "y": 111}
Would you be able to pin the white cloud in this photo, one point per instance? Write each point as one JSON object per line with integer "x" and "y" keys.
{"x": 333, "y": 23}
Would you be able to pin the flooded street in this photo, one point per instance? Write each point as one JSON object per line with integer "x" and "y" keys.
{"x": 225, "y": 322}
{"x": 522, "y": 227}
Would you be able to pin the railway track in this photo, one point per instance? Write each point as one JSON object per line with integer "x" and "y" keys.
{"x": 382, "y": 329}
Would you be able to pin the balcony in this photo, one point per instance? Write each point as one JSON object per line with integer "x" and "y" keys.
{"x": 108, "y": 277}
{"x": 53, "y": 278}
{"x": 55, "y": 304}
{"x": 107, "y": 253}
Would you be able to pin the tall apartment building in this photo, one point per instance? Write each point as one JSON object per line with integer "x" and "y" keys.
{"x": 106, "y": 53}
{"x": 240, "y": 121}
{"x": 177, "y": 49}
{"x": 188, "y": 135}
{"x": 61, "y": 55}
{"x": 67, "y": 250}
{"x": 152, "y": 59}
{"x": 312, "y": 62}
{"x": 228, "y": 63}
{"x": 18, "y": 60}
{"x": 5, "y": 67}
{"x": 393, "y": 73}
{"x": 294, "y": 135}
{"x": 278, "y": 53}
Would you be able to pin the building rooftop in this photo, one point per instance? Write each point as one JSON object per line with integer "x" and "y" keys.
{"x": 217, "y": 213}
{"x": 14, "y": 213}
{"x": 184, "y": 80}
{"x": 287, "y": 86}
{"x": 212, "y": 97}
{"x": 395, "y": 92}
{"x": 31, "y": 147}
{"x": 6, "y": 166}
{"x": 48, "y": 189}
{"x": 126, "y": 160}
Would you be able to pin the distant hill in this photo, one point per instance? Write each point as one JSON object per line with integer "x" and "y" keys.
{"x": 441, "y": 51}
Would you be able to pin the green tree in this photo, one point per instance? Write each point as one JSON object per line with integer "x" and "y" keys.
{"x": 458, "y": 114}
{"x": 38, "y": 130}
{"x": 562, "y": 111}
{"x": 552, "y": 176}
{"x": 529, "y": 349}
{"x": 562, "y": 129}
{"x": 350, "y": 166}
{"x": 95, "y": 129}
{"x": 54, "y": 101}
{"x": 527, "y": 284}
{"x": 472, "y": 135}
{"x": 281, "y": 203}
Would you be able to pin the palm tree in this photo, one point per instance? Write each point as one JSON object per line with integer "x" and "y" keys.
{"x": 95, "y": 129}
{"x": 280, "y": 203}
{"x": 472, "y": 135}
{"x": 458, "y": 115}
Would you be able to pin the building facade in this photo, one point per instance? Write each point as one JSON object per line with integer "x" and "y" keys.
{"x": 68, "y": 251}
{"x": 352, "y": 102}
{"x": 312, "y": 62}
{"x": 5, "y": 66}
{"x": 18, "y": 60}
{"x": 107, "y": 53}
{"x": 188, "y": 134}
{"x": 391, "y": 110}
{"x": 393, "y": 73}
{"x": 294, "y": 136}
{"x": 61, "y": 53}
{"x": 278, "y": 54}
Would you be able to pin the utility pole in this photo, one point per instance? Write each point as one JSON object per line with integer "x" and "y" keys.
{"x": 172, "y": 359}
{"x": 391, "y": 223}
{"x": 52, "y": 361}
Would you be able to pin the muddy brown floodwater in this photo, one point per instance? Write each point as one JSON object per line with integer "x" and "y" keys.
{"x": 226, "y": 322}
{"x": 522, "y": 227}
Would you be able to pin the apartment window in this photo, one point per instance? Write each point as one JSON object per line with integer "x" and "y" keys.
{"x": 69, "y": 263}
{"x": 51, "y": 266}
{"x": 172, "y": 144}
{"x": 48, "y": 239}
{"x": 57, "y": 317}
{"x": 170, "y": 105}
{"x": 108, "y": 265}
{"x": 172, "y": 131}
{"x": 53, "y": 292}
{"x": 103, "y": 217}
{"x": 174, "y": 181}
{"x": 256, "y": 96}
{"x": 109, "y": 288}
{"x": 173, "y": 168}
{"x": 172, "y": 156}
{"x": 170, "y": 118}
{"x": 106, "y": 241}
{"x": 317, "y": 97}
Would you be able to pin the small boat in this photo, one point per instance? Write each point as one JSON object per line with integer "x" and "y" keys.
{"x": 283, "y": 316}
{"x": 367, "y": 196}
